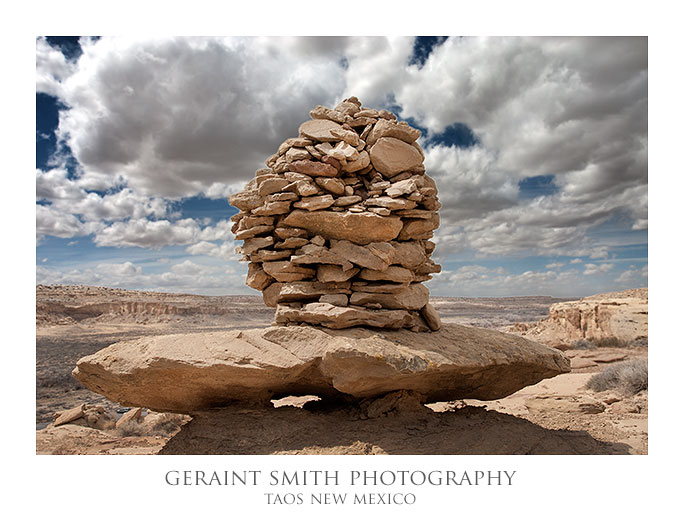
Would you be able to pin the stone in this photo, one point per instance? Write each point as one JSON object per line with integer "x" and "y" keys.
{"x": 321, "y": 112}
{"x": 316, "y": 254}
{"x": 408, "y": 254}
{"x": 344, "y": 201}
{"x": 332, "y": 185}
{"x": 565, "y": 404}
{"x": 362, "y": 162}
{"x": 359, "y": 255}
{"x": 320, "y": 130}
{"x": 402, "y": 187}
{"x": 360, "y": 228}
{"x": 272, "y": 208}
{"x": 418, "y": 229}
{"x": 314, "y": 168}
{"x": 69, "y": 416}
{"x": 257, "y": 278}
{"x": 253, "y": 231}
{"x": 392, "y": 203}
{"x": 197, "y": 371}
{"x": 295, "y": 153}
{"x": 391, "y": 156}
{"x": 132, "y": 416}
{"x": 263, "y": 255}
{"x": 307, "y": 290}
{"x": 246, "y": 200}
{"x": 291, "y": 243}
{"x": 384, "y": 288}
{"x": 334, "y": 273}
{"x": 303, "y": 188}
{"x": 339, "y": 300}
{"x": 393, "y": 129}
{"x": 286, "y": 271}
{"x": 272, "y": 185}
{"x": 290, "y": 232}
{"x": 431, "y": 317}
{"x": 253, "y": 244}
{"x": 392, "y": 273}
{"x": 414, "y": 297}
{"x": 313, "y": 203}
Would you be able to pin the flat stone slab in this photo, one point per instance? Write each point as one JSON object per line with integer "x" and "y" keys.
{"x": 192, "y": 372}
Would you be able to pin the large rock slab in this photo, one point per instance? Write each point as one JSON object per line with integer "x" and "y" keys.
{"x": 391, "y": 156}
{"x": 190, "y": 372}
{"x": 360, "y": 228}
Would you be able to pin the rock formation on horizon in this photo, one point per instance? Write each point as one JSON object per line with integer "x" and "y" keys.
{"x": 337, "y": 227}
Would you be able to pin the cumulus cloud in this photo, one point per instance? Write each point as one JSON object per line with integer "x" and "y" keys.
{"x": 592, "y": 268}
{"x": 150, "y": 120}
{"x": 176, "y": 116}
{"x": 634, "y": 276}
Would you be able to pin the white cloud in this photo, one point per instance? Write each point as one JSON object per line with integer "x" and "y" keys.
{"x": 592, "y": 268}
{"x": 224, "y": 251}
{"x": 51, "y": 68}
{"x": 634, "y": 276}
{"x": 556, "y": 265}
{"x": 178, "y": 116}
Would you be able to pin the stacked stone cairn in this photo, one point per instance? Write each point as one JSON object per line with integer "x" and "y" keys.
{"x": 337, "y": 227}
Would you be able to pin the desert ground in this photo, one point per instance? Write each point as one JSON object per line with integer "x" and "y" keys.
{"x": 555, "y": 416}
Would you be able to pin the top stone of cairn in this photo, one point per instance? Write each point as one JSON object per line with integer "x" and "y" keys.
{"x": 337, "y": 227}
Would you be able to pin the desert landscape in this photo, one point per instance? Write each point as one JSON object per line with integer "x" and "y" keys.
{"x": 604, "y": 336}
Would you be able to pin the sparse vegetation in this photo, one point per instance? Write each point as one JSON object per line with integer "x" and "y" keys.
{"x": 610, "y": 341}
{"x": 583, "y": 344}
{"x": 629, "y": 377}
{"x": 161, "y": 425}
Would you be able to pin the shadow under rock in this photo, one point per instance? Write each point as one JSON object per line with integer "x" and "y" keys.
{"x": 341, "y": 430}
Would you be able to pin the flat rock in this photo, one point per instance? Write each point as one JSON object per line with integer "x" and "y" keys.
{"x": 391, "y": 156}
{"x": 320, "y": 129}
{"x": 191, "y": 372}
{"x": 361, "y": 228}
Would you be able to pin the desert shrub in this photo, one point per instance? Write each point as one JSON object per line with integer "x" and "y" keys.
{"x": 629, "y": 377}
{"x": 584, "y": 344}
{"x": 639, "y": 342}
{"x": 610, "y": 341}
{"x": 131, "y": 428}
{"x": 166, "y": 425}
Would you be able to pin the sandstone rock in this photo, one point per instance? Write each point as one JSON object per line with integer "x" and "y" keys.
{"x": 334, "y": 273}
{"x": 272, "y": 185}
{"x": 393, "y": 129}
{"x": 257, "y": 278}
{"x": 291, "y": 243}
{"x": 431, "y": 316}
{"x": 622, "y": 315}
{"x": 392, "y": 203}
{"x": 418, "y": 229}
{"x": 295, "y": 154}
{"x": 307, "y": 290}
{"x": 392, "y": 273}
{"x": 360, "y": 228}
{"x": 253, "y": 231}
{"x": 246, "y": 200}
{"x": 253, "y": 244}
{"x": 314, "y": 203}
{"x": 321, "y": 112}
{"x": 568, "y": 404}
{"x": 314, "y": 168}
{"x": 408, "y": 254}
{"x": 339, "y": 300}
{"x": 132, "y": 416}
{"x": 344, "y": 201}
{"x": 189, "y": 372}
{"x": 362, "y": 162}
{"x": 414, "y": 297}
{"x": 290, "y": 232}
{"x": 272, "y": 208}
{"x": 332, "y": 185}
{"x": 359, "y": 255}
{"x": 320, "y": 130}
{"x": 286, "y": 271}
{"x": 69, "y": 416}
{"x": 316, "y": 254}
{"x": 391, "y": 156}
{"x": 334, "y": 317}
{"x": 389, "y": 288}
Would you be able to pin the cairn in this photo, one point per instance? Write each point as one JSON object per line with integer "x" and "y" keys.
{"x": 337, "y": 227}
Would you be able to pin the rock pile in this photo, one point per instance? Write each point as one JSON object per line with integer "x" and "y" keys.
{"x": 337, "y": 227}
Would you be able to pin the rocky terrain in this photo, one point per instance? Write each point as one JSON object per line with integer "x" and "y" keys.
{"x": 620, "y": 317}
{"x": 505, "y": 425}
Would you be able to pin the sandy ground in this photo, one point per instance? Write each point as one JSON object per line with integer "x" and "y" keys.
{"x": 555, "y": 416}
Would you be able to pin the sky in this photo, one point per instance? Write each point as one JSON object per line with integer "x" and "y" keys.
{"x": 538, "y": 147}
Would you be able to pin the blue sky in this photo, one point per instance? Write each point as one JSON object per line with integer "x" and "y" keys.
{"x": 538, "y": 147}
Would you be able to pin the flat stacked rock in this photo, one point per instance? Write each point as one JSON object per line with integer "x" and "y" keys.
{"x": 337, "y": 227}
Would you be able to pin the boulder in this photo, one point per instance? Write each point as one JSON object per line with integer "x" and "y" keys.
{"x": 189, "y": 372}
{"x": 391, "y": 156}
{"x": 320, "y": 130}
{"x": 360, "y": 228}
